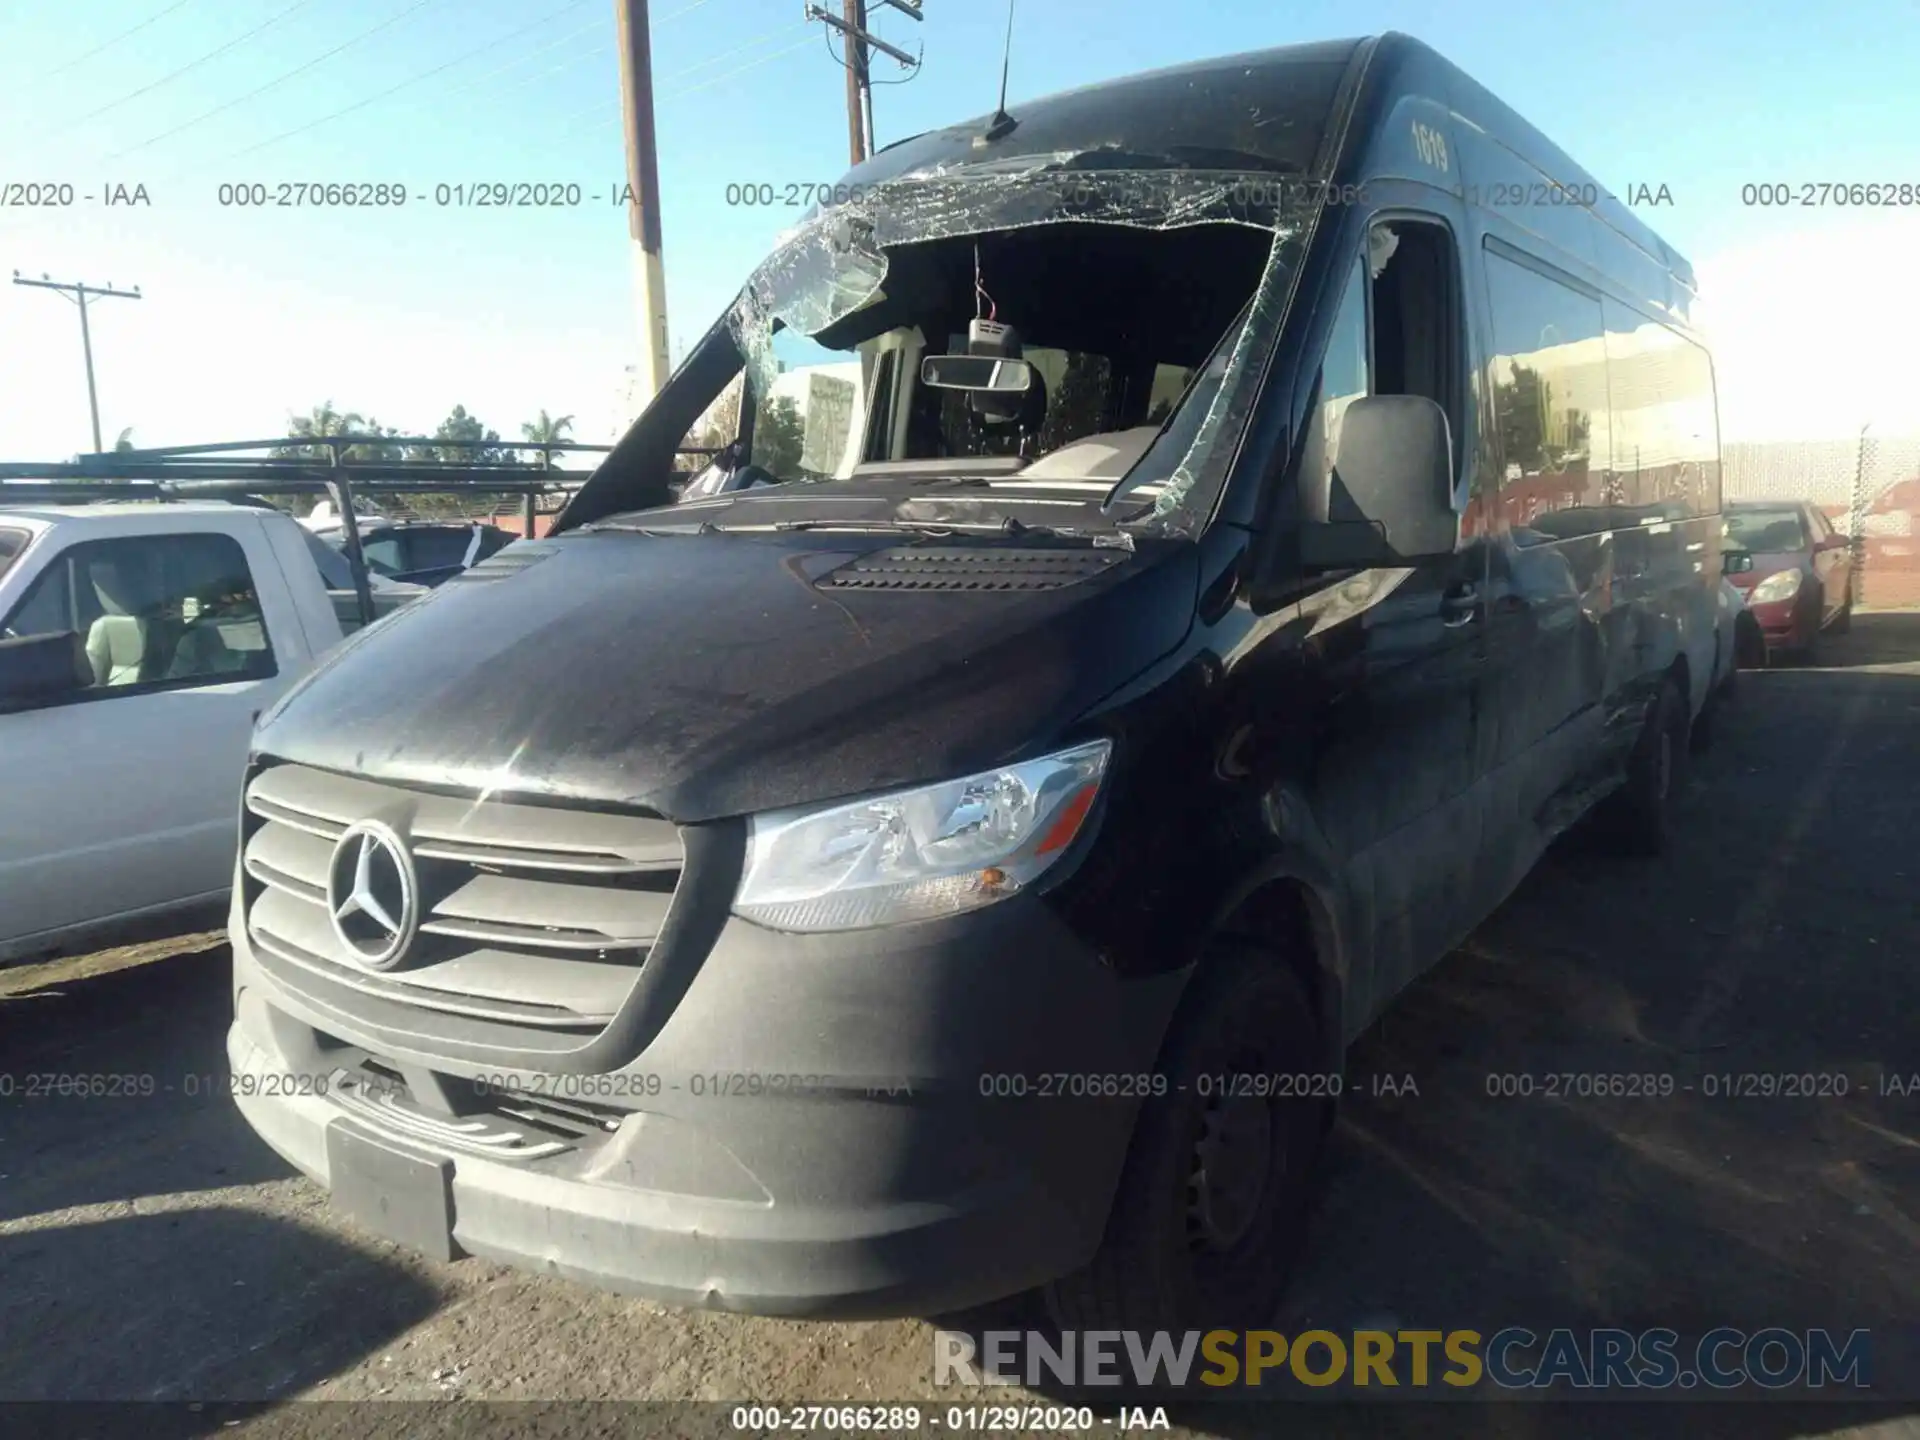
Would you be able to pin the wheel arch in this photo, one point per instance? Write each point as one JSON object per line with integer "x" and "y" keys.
{"x": 1294, "y": 916}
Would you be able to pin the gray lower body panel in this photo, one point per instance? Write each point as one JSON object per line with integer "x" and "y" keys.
{"x": 888, "y": 1172}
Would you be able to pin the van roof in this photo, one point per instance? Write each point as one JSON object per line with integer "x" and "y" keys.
{"x": 1260, "y": 110}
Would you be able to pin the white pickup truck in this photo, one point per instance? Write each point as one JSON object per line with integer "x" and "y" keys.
{"x": 138, "y": 643}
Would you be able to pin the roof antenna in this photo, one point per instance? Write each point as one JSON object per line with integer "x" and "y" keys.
{"x": 1002, "y": 123}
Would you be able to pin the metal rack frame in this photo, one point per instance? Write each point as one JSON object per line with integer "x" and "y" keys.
{"x": 225, "y": 471}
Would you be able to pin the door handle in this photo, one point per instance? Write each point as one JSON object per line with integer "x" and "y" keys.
{"x": 1459, "y": 605}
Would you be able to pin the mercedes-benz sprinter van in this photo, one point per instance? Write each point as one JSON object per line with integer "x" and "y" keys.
{"x": 1189, "y": 545}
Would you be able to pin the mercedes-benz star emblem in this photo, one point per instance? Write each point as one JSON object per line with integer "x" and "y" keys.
{"x": 372, "y": 894}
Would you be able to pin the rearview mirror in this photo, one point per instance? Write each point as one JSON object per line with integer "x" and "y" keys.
{"x": 1389, "y": 500}
{"x": 40, "y": 668}
{"x": 1735, "y": 562}
{"x": 976, "y": 372}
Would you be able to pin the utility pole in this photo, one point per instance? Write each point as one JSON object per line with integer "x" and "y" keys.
{"x": 643, "y": 192}
{"x": 859, "y": 92}
{"x": 79, "y": 291}
{"x": 852, "y": 25}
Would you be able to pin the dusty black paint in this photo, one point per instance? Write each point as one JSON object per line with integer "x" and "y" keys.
{"x": 1356, "y": 766}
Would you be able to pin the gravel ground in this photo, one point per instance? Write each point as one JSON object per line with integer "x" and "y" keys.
{"x": 152, "y": 1248}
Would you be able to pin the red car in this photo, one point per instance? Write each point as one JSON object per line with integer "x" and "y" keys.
{"x": 1799, "y": 583}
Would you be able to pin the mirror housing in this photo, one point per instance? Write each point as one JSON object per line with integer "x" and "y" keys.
{"x": 991, "y": 374}
{"x": 1389, "y": 500}
{"x": 39, "y": 668}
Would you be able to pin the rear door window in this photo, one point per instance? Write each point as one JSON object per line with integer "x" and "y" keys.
{"x": 440, "y": 548}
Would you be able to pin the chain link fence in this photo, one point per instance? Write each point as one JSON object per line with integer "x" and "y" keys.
{"x": 1869, "y": 486}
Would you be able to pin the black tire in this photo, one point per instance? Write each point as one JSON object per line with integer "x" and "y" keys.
{"x": 1705, "y": 725}
{"x": 1750, "y": 644}
{"x": 1638, "y": 814}
{"x": 1213, "y": 1198}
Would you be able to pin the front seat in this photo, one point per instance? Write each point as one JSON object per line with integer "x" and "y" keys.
{"x": 117, "y": 642}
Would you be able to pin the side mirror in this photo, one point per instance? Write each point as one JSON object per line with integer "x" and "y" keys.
{"x": 1736, "y": 562}
{"x": 990, "y": 373}
{"x": 39, "y": 668}
{"x": 1390, "y": 498}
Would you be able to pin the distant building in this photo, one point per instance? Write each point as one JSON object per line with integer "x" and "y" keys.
{"x": 827, "y": 398}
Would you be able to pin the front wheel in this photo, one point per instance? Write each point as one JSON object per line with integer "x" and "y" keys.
{"x": 1639, "y": 812}
{"x": 1212, "y": 1200}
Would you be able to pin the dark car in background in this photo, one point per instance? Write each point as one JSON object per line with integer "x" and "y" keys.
{"x": 423, "y": 552}
{"x": 1799, "y": 583}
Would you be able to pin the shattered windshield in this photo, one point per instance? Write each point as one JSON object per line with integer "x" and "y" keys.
{"x": 1141, "y": 303}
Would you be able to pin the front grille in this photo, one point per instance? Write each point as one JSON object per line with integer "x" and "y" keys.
{"x": 534, "y": 921}
{"x": 502, "y": 1125}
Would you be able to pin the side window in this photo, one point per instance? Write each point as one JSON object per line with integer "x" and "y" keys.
{"x": 880, "y": 427}
{"x": 1343, "y": 379}
{"x": 438, "y": 549}
{"x": 12, "y": 542}
{"x": 47, "y": 608}
{"x": 1549, "y": 385}
{"x": 1666, "y": 442}
{"x": 157, "y": 611}
{"x": 384, "y": 552}
{"x": 1415, "y": 327}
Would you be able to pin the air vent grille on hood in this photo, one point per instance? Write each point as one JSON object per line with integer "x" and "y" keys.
{"x": 966, "y": 567}
{"x": 510, "y": 561}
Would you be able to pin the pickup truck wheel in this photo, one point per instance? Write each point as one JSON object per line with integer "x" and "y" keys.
{"x": 1212, "y": 1200}
{"x": 1638, "y": 813}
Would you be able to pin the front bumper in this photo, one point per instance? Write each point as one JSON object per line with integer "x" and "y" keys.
{"x": 857, "y": 1169}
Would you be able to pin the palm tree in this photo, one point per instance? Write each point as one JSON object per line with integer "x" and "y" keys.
{"x": 321, "y": 421}
{"x": 546, "y": 431}
{"x": 324, "y": 420}
{"x": 125, "y": 441}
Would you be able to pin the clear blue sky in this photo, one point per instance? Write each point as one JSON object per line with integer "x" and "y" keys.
{"x": 252, "y": 314}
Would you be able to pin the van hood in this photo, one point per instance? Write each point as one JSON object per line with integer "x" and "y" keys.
{"x": 708, "y": 675}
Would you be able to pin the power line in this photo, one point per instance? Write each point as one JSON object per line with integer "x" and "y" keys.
{"x": 522, "y": 59}
{"x": 519, "y": 60}
{"x": 190, "y": 65}
{"x": 750, "y": 65}
{"x": 412, "y": 80}
{"x": 598, "y": 108}
{"x": 281, "y": 79}
{"x": 115, "y": 40}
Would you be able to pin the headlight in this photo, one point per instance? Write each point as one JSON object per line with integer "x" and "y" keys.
{"x": 914, "y": 854}
{"x": 1781, "y": 585}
